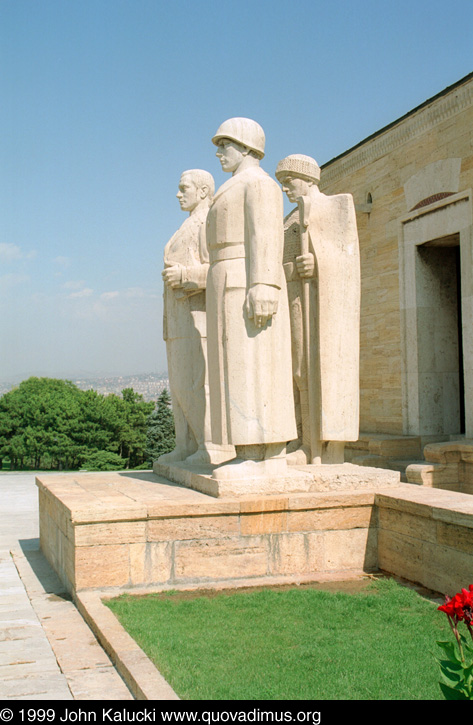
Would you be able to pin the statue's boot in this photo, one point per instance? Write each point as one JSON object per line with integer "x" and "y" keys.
{"x": 293, "y": 445}
{"x": 201, "y": 457}
{"x": 175, "y": 456}
{"x": 243, "y": 468}
{"x": 209, "y": 453}
{"x": 254, "y": 461}
{"x": 299, "y": 457}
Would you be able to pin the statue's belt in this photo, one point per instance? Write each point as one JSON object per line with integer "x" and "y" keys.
{"x": 228, "y": 251}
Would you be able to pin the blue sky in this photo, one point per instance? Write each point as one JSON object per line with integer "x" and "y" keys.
{"x": 105, "y": 102}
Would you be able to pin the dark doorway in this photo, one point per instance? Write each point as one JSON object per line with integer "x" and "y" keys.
{"x": 439, "y": 333}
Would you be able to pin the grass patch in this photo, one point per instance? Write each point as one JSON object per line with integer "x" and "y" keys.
{"x": 295, "y": 644}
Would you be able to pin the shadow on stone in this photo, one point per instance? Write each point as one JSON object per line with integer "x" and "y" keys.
{"x": 149, "y": 477}
{"x": 46, "y": 576}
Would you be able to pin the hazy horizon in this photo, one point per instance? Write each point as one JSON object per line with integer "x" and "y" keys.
{"x": 81, "y": 375}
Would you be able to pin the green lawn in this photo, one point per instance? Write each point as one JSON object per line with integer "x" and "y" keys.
{"x": 291, "y": 644}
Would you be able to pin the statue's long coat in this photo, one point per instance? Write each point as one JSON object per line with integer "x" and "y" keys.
{"x": 184, "y": 330}
{"x": 335, "y": 316}
{"x": 184, "y": 307}
{"x": 250, "y": 375}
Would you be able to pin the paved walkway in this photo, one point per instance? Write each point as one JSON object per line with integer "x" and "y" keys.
{"x": 47, "y": 652}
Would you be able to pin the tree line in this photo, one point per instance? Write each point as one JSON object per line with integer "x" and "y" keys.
{"x": 51, "y": 424}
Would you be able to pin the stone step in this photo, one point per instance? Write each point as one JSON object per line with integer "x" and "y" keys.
{"x": 452, "y": 451}
{"x": 447, "y": 465}
{"x": 387, "y": 463}
{"x": 386, "y": 446}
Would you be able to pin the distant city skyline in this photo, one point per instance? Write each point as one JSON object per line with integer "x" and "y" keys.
{"x": 149, "y": 385}
{"x": 106, "y": 103}
{"x": 79, "y": 374}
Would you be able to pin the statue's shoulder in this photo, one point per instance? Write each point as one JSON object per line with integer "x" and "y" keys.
{"x": 342, "y": 200}
{"x": 334, "y": 216}
{"x": 338, "y": 204}
{"x": 346, "y": 206}
{"x": 257, "y": 175}
{"x": 260, "y": 185}
{"x": 189, "y": 228}
{"x": 345, "y": 199}
{"x": 188, "y": 225}
{"x": 200, "y": 215}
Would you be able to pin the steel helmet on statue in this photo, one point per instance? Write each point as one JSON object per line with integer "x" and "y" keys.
{"x": 244, "y": 131}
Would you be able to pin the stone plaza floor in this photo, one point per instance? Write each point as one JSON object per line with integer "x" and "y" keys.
{"x": 47, "y": 651}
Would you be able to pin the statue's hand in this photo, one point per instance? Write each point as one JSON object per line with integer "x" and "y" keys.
{"x": 305, "y": 265}
{"x": 172, "y": 276}
{"x": 262, "y": 303}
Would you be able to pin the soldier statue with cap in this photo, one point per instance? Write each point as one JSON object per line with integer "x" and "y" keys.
{"x": 249, "y": 354}
{"x": 322, "y": 269}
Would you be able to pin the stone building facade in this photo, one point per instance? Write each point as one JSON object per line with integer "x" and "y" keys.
{"x": 412, "y": 186}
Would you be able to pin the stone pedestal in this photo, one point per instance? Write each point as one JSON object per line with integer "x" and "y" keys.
{"x": 297, "y": 479}
{"x": 139, "y": 529}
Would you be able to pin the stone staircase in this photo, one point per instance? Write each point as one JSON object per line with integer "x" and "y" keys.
{"x": 447, "y": 465}
{"x": 438, "y": 464}
{"x": 385, "y": 451}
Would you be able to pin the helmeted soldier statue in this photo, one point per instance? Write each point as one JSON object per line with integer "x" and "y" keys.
{"x": 322, "y": 268}
{"x": 250, "y": 378}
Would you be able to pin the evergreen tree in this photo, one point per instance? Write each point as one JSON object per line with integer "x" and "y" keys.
{"x": 104, "y": 461}
{"x": 38, "y": 424}
{"x": 133, "y": 437}
{"x": 161, "y": 436}
{"x": 52, "y": 424}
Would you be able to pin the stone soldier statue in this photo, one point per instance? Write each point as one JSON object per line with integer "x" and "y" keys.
{"x": 322, "y": 267}
{"x": 250, "y": 379}
{"x": 185, "y": 273}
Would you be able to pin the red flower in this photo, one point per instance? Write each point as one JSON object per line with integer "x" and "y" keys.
{"x": 467, "y": 604}
{"x": 460, "y": 607}
{"x": 448, "y": 608}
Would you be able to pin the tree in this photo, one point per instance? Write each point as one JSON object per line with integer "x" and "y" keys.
{"x": 128, "y": 416}
{"x": 47, "y": 423}
{"x": 38, "y": 421}
{"x": 104, "y": 461}
{"x": 161, "y": 435}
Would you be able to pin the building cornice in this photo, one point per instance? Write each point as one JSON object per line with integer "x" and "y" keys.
{"x": 437, "y": 110}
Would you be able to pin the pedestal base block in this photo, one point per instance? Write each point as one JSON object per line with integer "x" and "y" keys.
{"x": 297, "y": 479}
{"x": 139, "y": 529}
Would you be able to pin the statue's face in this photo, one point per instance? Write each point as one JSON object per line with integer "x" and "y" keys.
{"x": 189, "y": 194}
{"x": 295, "y": 187}
{"x": 230, "y": 154}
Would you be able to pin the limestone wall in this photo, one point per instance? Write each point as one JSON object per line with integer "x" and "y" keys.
{"x": 107, "y": 530}
{"x": 227, "y": 540}
{"x": 426, "y": 536}
{"x": 396, "y": 167}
